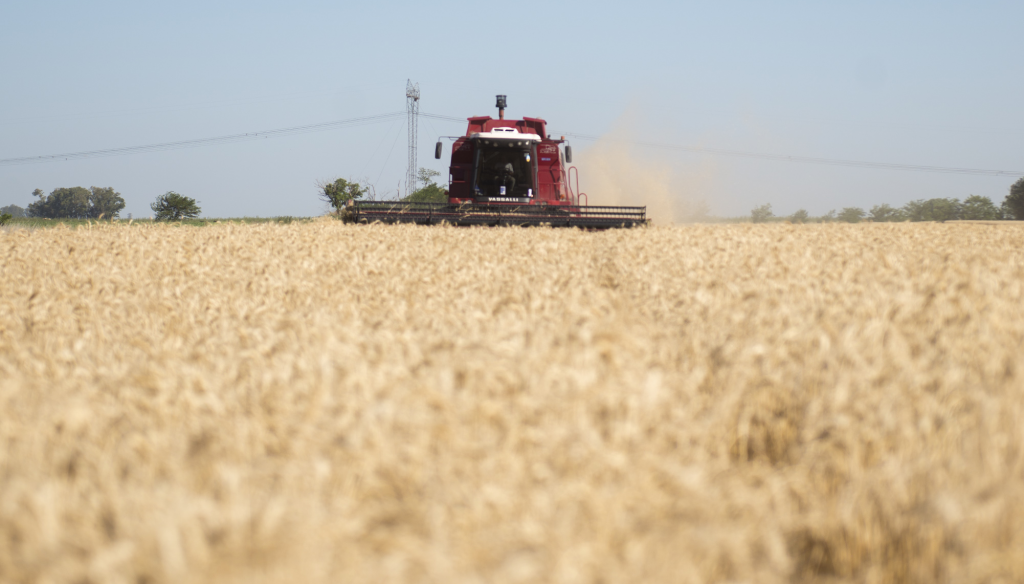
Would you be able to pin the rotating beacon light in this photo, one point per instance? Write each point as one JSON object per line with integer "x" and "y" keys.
{"x": 501, "y": 105}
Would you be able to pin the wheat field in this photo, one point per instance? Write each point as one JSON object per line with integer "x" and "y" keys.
{"x": 322, "y": 402}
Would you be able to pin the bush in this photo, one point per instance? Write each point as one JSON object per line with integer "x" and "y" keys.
{"x": 5, "y": 218}
{"x": 172, "y": 206}
{"x": 801, "y": 216}
{"x": 430, "y": 192}
{"x": 762, "y": 214}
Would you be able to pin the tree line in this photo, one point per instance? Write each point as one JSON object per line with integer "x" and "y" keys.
{"x": 973, "y": 208}
{"x": 98, "y": 203}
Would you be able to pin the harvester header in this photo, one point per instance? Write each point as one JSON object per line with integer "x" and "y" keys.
{"x": 506, "y": 172}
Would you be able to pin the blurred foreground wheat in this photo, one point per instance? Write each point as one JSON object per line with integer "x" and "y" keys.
{"x": 332, "y": 403}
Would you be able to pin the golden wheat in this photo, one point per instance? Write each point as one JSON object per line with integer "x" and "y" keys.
{"x": 329, "y": 403}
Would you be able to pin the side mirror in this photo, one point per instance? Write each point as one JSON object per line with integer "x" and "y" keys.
{"x": 437, "y": 150}
{"x": 568, "y": 154}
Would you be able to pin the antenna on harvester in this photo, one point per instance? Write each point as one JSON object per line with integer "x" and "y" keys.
{"x": 412, "y": 107}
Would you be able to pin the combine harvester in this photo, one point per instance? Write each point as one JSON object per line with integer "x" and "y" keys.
{"x": 505, "y": 172}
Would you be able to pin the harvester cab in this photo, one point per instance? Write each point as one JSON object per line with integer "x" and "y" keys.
{"x": 505, "y": 172}
{"x": 503, "y": 166}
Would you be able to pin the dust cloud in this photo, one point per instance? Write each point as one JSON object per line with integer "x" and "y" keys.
{"x": 616, "y": 171}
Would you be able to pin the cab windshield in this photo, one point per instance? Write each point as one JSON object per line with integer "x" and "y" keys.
{"x": 503, "y": 167}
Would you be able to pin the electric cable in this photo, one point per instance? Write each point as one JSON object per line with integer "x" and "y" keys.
{"x": 383, "y": 137}
{"x": 205, "y": 141}
{"x": 783, "y": 157}
{"x": 390, "y": 116}
{"x": 388, "y": 159}
{"x": 813, "y": 160}
{"x": 194, "y": 105}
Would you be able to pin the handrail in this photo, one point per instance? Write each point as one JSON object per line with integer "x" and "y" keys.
{"x": 577, "y": 195}
{"x": 568, "y": 183}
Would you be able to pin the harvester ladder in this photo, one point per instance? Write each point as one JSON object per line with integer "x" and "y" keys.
{"x": 573, "y": 193}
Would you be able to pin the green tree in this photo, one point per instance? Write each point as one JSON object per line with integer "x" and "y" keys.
{"x": 172, "y": 206}
{"x": 5, "y": 218}
{"x": 340, "y": 191}
{"x": 430, "y": 191}
{"x": 914, "y": 210}
{"x": 828, "y": 217}
{"x": 13, "y": 211}
{"x": 62, "y": 203}
{"x": 943, "y": 209}
{"x": 104, "y": 202}
{"x": 851, "y": 215}
{"x": 801, "y": 216}
{"x": 1013, "y": 205}
{"x": 933, "y": 210}
{"x": 977, "y": 208}
{"x": 762, "y": 213}
{"x": 886, "y": 213}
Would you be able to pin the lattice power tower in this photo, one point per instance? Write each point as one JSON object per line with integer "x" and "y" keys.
{"x": 412, "y": 107}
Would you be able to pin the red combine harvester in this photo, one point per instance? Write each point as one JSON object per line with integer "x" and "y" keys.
{"x": 505, "y": 172}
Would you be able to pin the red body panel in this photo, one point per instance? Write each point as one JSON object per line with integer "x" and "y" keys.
{"x": 549, "y": 170}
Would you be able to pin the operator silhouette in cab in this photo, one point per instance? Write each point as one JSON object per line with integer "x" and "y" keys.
{"x": 507, "y": 177}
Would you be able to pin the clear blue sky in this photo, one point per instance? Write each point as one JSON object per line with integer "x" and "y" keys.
{"x": 930, "y": 83}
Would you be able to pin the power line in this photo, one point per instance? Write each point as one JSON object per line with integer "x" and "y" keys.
{"x": 383, "y": 166}
{"x": 215, "y": 103}
{"x": 204, "y": 141}
{"x": 391, "y": 116}
{"x": 814, "y": 160}
{"x": 445, "y": 118}
{"x": 784, "y": 157}
{"x": 383, "y": 138}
